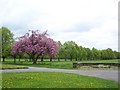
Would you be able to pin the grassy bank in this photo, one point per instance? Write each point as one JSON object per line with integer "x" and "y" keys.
{"x": 7, "y": 66}
{"x": 53, "y": 80}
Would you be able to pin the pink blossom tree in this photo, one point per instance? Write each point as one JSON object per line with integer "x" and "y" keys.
{"x": 35, "y": 44}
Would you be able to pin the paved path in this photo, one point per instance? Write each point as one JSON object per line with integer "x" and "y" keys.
{"x": 106, "y": 74}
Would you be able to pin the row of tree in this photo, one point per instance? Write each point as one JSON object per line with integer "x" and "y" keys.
{"x": 69, "y": 50}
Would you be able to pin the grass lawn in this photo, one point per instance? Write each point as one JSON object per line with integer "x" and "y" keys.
{"x": 7, "y": 66}
{"x": 55, "y": 64}
{"x": 48, "y": 64}
{"x": 53, "y": 80}
{"x": 62, "y": 65}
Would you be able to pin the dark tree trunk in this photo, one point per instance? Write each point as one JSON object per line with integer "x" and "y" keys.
{"x": 76, "y": 59}
{"x": 51, "y": 59}
{"x": 71, "y": 59}
{"x": 58, "y": 59}
{"x": 34, "y": 62}
{"x": 33, "y": 59}
{"x": 42, "y": 59}
{"x": 3, "y": 59}
{"x": 65, "y": 59}
{"x": 14, "y": 60}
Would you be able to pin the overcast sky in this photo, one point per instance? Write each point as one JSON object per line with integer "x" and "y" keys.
{"x": 90, "y": 23}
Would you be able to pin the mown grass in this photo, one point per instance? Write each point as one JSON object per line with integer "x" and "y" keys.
{"x": 53, "y": 80}
{"x": 7, "y": 66}
{"x": 55, "y": 64}
{"x": 48, "y": 64}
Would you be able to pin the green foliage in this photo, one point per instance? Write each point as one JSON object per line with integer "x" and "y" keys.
{"x": 109, "y": 54}
{"x": 70, "y": 50}
{"x": 53, "y": 80}
{"x": 7, "y": 40}
{"x": 61, "y": 52}
{"x": 117, "y": 54}
{"x": 89, "y": 54}
{"x": 83, "y": 54}
{"x": 96, "y": 53}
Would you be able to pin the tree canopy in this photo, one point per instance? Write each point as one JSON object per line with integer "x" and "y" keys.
{"x": 70, "y": 50}
{"x": 35, "y": 45}
{"x": 7, "y": 40}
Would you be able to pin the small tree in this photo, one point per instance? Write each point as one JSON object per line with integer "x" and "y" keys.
{"x": 89, "y": 54}
{"x": 6, "y": 42}
{"x": 96, "y": 53}
{"x": 70, "y": 49}
{"x": 35, "y": 45}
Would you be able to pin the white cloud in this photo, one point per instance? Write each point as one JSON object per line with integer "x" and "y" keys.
{"x": 91, "y": 23}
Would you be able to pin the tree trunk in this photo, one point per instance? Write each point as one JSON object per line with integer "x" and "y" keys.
{"x": 34, "y": 62}
{"x": 3, "y": 59}
{"x": 58, "y": 59}
{"x": 65, "y": 59}
{"x": 76, "y": 59}
{"x": 42, "y": 59}
{"x": 14, "y": 60}
{"x": 35, "y": 59}
{"x": 51, "y": 59}
{"x": 71, "y": 59}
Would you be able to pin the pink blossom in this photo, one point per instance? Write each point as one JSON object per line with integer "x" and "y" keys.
{"x": 37, "y": 42}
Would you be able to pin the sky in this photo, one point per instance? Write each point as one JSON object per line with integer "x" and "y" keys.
{"x": 90, "y": 23}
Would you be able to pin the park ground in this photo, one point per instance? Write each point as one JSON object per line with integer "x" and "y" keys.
{"x": 54, "y": 79}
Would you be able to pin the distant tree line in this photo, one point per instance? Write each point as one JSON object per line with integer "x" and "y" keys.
{"x": 70, "y": 50}
{"x": 67, "y": 51}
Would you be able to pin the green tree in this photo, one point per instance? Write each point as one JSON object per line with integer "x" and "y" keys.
{"x": 89, "y": 54}
{"x": 70, "y": 49}
{"x": 63, "y": 52}
{"x": 7, "y": 40}
{"x": 111, "y": 54}
{"x": 83, "y": 55}
{"x": 104, "y": 54}
{"x": 96, "y": 53}
{"x": 77, "y": 53}
{"x": 118, "y": 55}
{"x": 115, "y": 54}
{"x": 60, "y": 51}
